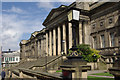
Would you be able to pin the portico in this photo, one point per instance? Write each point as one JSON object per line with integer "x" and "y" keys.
{"x": 59, "y": 29}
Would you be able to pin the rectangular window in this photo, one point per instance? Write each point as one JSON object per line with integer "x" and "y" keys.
{"x": 5, "y": 59}
{"x": 101, "y": 23}
{"x": 94, "y": 42}
{"x": 16, "y": 59}
{"x": 94, "y": 25}
{"x": 9, "y": 58}
{"x": 110, "y": 20}
{"x": 13, "y": 58}
{"x": 112, "y": 39}
{"x": 102, "y": 41}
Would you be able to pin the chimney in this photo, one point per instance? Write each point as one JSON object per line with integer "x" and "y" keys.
{"x": 9, "y": 50}
{"x": 82, "y": 5}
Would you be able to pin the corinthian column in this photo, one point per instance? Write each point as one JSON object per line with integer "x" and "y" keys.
{"x": 54, "y": 42}
{"x": 38, "y": 48}
{"x": 80, "y": 32}
{"x": 59, "y": 41}
{"x": 50, "y": 43}
{"x": 70, "y": 35}
{"x": 46, "y": 42}
{"x": 64, "y": 38}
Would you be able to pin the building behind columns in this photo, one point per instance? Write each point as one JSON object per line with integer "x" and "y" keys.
{"x": 98, "y": 26}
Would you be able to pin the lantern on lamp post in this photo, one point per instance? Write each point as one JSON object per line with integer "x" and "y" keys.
{"x": 73, "y": 18}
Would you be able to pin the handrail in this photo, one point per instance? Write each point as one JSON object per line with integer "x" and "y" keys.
{"x": 41, "y": 74}
{"x": 47, "y": 62}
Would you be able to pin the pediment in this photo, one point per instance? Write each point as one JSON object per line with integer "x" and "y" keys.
{"x": 53, "y": 13}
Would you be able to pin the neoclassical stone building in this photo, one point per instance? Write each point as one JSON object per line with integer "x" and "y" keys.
{"x": 34, "y": 47}
{"x": 98, "y": 26}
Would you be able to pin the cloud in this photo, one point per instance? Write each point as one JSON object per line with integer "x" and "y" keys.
{"x": 50, "y": 5}
{"x": 13, "y": 29}
{"x": 47, "y": 5}
{"x": 15, "y": 10}
{"x": 40, "y": 0}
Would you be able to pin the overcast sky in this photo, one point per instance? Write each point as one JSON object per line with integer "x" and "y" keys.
{"x": 20, "y": 19}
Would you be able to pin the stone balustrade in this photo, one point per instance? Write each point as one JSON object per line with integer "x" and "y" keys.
{"x": 35, "y": 75}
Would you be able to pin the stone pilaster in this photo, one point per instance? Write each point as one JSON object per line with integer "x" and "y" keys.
{"x": 54, "y": 42}
{"x": 98, "y": 41}
{"x": 86, "y": 32}
{"x": 64, "y": 38}
{"x": 116, "y": 41}
{"x": 59, "y": 41}
{"x": 80, "y": 32}
{"x": 44, "y": 45}
{"x": 35, "y": 54}
{"x": 50, "y": 43}
{"x": 70, "y": 35}
{"x": 38, "y": 48}
{"x": 106, "y": 39}
{"x": 46, "y": 42}
{"x": 41, "y": 47}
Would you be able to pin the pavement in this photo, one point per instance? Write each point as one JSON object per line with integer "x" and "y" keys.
{"x": 90, "y": 73}
{"x": 102, "y": 76}
{"x": 96, "y": 71}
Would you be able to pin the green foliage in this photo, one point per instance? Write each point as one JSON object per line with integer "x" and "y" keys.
{"x": 59, "y": 71}
{"x": 87, "y": 53}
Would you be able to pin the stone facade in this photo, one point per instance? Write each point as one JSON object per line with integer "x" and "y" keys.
{"x": 35, "y": 47}
{"x": 98, "y": 26}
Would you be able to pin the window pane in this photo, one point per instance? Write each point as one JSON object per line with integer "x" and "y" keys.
{"x": 102, "y": 41}
{"x": 112, "y": 39}
{"x": 95, "y": 42}
{"x": 9, "y": 58}
{"x": 16, "y": 59}
{"x": 13, "y": 59}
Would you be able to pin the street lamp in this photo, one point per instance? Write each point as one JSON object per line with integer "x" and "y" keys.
{"x": 63, "y": 48}
{"x": 73, "y": 14}
{"x": 114, "y": 55}
{"x": 94, "y": 56}
{"x": 73, "y": 17}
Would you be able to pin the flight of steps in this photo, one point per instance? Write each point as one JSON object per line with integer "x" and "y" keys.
{"x": 39, "y": 64}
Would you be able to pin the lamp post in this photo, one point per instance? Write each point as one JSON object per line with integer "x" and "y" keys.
{"x": 63, "y": 50}
{"x": 73, "y": 17}
{"x": 94, "y": 56}
{"x": 114, "y": 56}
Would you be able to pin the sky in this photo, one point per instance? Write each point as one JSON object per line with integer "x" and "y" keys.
{"x": 20, "y": 19}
